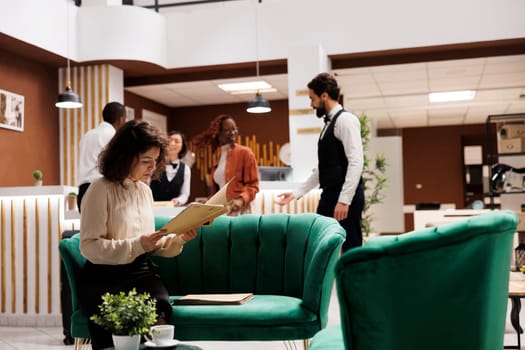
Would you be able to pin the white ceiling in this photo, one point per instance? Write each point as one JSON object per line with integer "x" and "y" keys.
{"x": 395, "y": 96}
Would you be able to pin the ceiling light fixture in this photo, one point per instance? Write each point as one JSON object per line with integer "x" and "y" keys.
{"x": 258, "y": 104}
{"x": 68, "y": 99}
{"x": 450, "y": 96}
{"x": 245, "y": 86}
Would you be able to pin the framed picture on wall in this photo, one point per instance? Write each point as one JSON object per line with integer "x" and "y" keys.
{"x": 130, "y": 113}
{"x": 159, "y": 120}
{"x": 11, "y": 111}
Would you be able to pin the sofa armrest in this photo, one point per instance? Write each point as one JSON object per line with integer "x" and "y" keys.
{"x": 324, "y": 250}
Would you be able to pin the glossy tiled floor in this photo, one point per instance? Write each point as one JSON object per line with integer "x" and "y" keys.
{"x": 22, "y": 338}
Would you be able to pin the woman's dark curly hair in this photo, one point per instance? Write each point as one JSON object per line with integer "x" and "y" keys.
{"x": 131, "y": 140}
{"x": 325, "y": 82}
{"x": 184, "y": 148}
{"x": 211, "y": 135}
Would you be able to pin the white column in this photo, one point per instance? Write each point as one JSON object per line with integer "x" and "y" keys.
{"x": 304, "y": 63}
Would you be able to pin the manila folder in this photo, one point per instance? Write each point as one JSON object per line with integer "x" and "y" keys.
{"x": 214, "y": 299}
{"x": 199, "y": 214}
{"x": 194, "y": 215}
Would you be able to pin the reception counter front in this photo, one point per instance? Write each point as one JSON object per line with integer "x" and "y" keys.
{"x": 32, "y": 220}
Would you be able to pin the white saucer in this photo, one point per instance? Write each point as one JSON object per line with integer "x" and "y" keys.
{"x": 151, "y": 344}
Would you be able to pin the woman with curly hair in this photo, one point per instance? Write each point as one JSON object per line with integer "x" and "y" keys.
{"x": 117, "y": 226}
{"x": 236, "y": 163}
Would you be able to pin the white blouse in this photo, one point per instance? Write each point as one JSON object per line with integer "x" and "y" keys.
{"x": 113, "y": 216}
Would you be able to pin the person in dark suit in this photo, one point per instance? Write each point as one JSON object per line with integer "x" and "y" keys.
{"x": 340, "y": 161}
{"x": 174, "y": 182}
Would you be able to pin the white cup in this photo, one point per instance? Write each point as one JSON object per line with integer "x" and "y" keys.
{"x": 162, "y": 335}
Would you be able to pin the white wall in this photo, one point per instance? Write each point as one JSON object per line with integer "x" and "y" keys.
{"x": 388, "y": 215}
{"x": 224, "y": 32}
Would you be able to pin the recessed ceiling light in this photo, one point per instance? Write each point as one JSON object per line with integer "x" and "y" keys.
{"x": 254, "y": 91}
{"x": 250, "y": 86}
{"x": 448, "y": 96}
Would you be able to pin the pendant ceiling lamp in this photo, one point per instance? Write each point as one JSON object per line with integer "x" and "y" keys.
{"x": 258, "y": 104}
{"x": 68, "y": 99}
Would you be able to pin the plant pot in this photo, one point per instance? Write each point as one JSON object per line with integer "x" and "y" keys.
{"x": 71, "y": 202}
{"x": 38, "y": 182}
{"x": 126, "y": 342}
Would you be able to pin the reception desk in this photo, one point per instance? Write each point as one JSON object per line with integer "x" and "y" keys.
{"x": 265, "y": 200}
{"x": 32, "y": 220}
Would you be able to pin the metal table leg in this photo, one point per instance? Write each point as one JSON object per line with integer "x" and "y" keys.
{"x": 515, "y": 321}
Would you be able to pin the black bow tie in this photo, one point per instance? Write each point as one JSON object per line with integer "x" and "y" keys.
{"x": 326, "y": 119}
{"x": 174, "y": 165}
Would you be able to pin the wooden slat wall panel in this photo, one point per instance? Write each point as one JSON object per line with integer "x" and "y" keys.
{"x": 92, "y": 85}
{"x": 30, "y": 229}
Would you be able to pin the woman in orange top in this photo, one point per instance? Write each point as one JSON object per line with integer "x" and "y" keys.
{"x": 236, "y": 163}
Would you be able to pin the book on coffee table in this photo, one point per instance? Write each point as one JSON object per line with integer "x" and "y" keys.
{"x": 214, "y": 299}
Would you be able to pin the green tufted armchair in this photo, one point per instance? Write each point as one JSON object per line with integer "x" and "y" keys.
{"x": 437, "y": 288}
{"x": 285, "y": 260}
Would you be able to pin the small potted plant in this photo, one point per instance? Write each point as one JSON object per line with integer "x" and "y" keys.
{"x": 71, "y": 201}
{"x": 126, "y": 316}
{"x": 38, "y": 176}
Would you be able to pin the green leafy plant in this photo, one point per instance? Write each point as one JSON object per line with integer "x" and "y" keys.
{"x": 374, "y": 179}
{"x": 126, "y": 314}
{"x": 38, "y": 175}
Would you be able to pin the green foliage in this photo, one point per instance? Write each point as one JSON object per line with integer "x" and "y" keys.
{"x": 374, "y": 179}
{"x": 38, "y": 175}
{"x": 126, "y": 314}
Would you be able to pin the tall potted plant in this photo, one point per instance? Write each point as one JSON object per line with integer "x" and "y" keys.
{"x": 127, "y": 316}
{"x": 374, "y": 179}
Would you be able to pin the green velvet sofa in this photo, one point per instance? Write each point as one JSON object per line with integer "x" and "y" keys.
{"x": 287, "y": 261}
{"x": 437, "y": 288}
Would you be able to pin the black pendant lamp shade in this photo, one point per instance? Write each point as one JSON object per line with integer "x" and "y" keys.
{"x": 258, "y": 105}
{"x": 68, "y": 99}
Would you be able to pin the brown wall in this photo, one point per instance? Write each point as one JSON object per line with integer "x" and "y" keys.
{"x": 37, "y": 147}
{"x": 433, "y": 158}
{"x": 138, "y": 103}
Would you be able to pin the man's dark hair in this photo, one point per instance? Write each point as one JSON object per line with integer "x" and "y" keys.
{"x": 184, "y": 148}
{"x": 325, "y": 82}
{"x": 113, "y": 111}
{"x": 132, "y": 139}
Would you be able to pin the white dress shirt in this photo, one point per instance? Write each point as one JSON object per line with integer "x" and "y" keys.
{"x": 185, "y": 189}
{"x": 347, "y": 129}
{"x": 91, "y": 144}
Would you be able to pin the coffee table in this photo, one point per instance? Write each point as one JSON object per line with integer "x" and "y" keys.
{"x": 516, "y": 292}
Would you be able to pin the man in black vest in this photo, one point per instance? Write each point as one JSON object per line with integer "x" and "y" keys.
{"x": 340, "y": 161}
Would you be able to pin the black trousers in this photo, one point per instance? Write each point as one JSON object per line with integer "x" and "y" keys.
{"x": 352, "y": 223}
{"x": 81, "y": 191}
{"x": 97, "y": 279}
